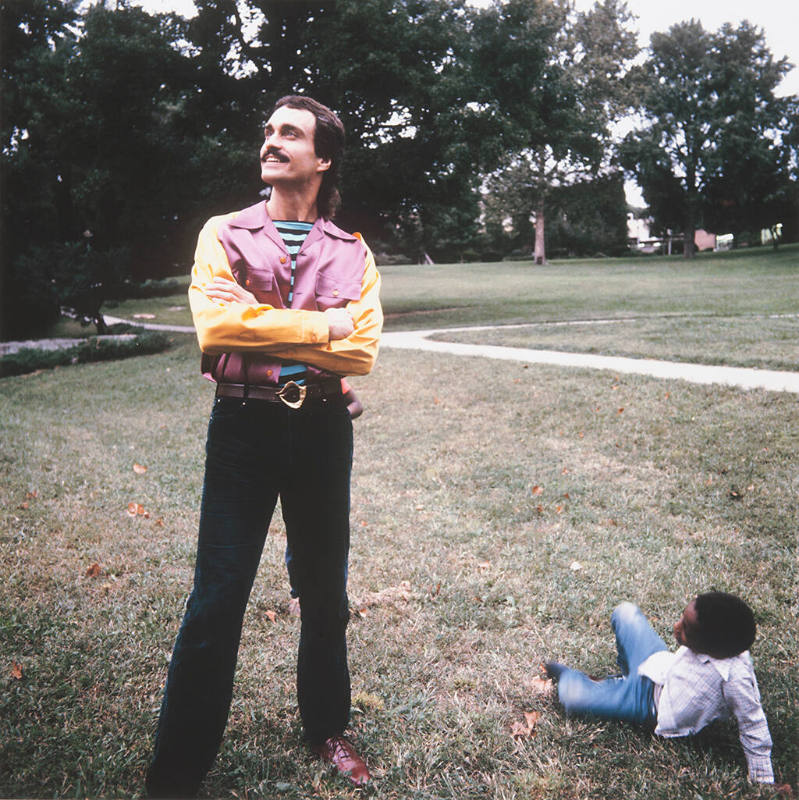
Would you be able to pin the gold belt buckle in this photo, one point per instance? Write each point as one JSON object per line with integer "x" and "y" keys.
{"x": 291, "y": 386}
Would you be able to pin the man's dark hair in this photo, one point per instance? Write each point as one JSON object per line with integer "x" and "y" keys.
{"x": 328, "y": 143}
{"x": 726, "y": 624}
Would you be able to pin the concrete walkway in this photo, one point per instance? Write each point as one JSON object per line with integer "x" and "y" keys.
{"x": 741, "y": 377}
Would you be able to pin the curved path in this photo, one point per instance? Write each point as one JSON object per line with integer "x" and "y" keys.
{"x": 742, "y": 377}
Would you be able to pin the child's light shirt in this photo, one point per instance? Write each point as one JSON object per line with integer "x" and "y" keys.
{"x": 697, "y": 689}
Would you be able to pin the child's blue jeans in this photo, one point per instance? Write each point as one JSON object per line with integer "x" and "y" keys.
{"x": 628, "y": 697}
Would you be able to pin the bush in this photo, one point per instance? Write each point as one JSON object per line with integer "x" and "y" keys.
{"x": 165, "y": 287}
{"x": 95, "y": 348}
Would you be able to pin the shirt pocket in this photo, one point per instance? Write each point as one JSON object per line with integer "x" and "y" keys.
{"x": 334, "y": 292}
{"x": 261, "y": 282}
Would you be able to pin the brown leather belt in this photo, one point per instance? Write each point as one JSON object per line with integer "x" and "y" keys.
{"x": 291, "y": 394}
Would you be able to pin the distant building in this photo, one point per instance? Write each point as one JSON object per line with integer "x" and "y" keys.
{"x": 641, "y": 240}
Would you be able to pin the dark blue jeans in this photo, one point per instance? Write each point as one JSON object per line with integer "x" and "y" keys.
{"x": 257, "y": 451}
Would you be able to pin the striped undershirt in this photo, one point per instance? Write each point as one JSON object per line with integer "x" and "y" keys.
{"x": 293, "y": 235}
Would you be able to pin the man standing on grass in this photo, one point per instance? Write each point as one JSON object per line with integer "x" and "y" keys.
{"x": 284, "y": 303}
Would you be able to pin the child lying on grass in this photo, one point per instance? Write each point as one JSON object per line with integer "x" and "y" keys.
{"x": 709, "y": 677}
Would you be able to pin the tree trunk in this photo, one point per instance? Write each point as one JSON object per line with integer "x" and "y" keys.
{"x": 539, "y": 252}
{"x": 689, "y": 246}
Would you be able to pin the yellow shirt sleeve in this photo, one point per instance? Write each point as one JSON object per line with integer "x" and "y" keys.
{"x": 293, "y": 334}
{"x": 222, "y": 327}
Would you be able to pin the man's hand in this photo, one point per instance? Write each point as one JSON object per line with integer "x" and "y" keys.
{"x": 339, "y": 323}
{"x": 227, "y": 291}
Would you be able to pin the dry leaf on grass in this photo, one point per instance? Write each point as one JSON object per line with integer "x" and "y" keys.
{"x": 539, "y": 685}
{"x": 93, "y": 571}
{"x": 139, "y": 469}
{"x": 16, "y": 671}
{"x": 526, "y": 729}
{"x": 137, "y": 510}
{"x": 271, "y": 615}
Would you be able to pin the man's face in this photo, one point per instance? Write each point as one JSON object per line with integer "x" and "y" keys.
{"x": 686, "y": 629}
{"x": 288, "y": 155}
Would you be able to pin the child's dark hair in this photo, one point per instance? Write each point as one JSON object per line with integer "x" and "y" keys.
{"x": 726, "y": 623}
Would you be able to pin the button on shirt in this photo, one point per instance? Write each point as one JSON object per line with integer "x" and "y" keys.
{"x": 697, "y": 689}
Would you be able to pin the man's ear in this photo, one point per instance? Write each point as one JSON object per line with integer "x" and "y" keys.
{"x": 323, "y": 164}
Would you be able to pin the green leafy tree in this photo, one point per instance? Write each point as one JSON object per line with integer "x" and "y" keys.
{"x": 92, "y": 164}
{"x": 392, "y": 69}
{"x": 710, "y": 148}
{"x": 554, "y": 80}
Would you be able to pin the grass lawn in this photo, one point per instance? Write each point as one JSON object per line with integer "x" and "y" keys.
{"x": 500, "y": 512}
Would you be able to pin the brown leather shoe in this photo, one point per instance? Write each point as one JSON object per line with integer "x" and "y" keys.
{"x": 340, "y": 752}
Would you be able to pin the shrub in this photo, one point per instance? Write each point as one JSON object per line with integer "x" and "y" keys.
{"x": 95, "y": 348}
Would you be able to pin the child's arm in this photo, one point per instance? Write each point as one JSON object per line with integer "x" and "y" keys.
{"x": 354, "y": 405}
{"x": 743, "y": 698}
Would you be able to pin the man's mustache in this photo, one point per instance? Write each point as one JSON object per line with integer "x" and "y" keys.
{"x": 274, "y": 151}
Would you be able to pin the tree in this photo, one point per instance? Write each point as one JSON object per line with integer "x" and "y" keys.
{"x": 91, "y": 165}
{"x": 409, "y": 175}
{"x": 553, "y": 80}
{"x": 710, "y": 149}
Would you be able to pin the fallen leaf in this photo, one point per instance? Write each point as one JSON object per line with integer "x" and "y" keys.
{"x": 539, "y": 508}
{"x": 271, "y": 615}
{"x": 566, "y": 495}
{"x": 531, "y": 718}
{"x": 16, "y": 671}
{"x": 23, "y": 506}
{"x": 621, "y": 410}
{"x": 526, "y": 729}
{"x": 536, "y": 490}
{"x": 575, "y": 566}
{"x": 132, "y": 509}
{"x": 558, "y": 509}
{"x": 93, "y": 571}
{"x": 518, "y": 730}
{"x": 484, "y": 565}
{"x": 139, "y": 469}
{"x": 32, "y": 495}
{"x": 539, "y": 685}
